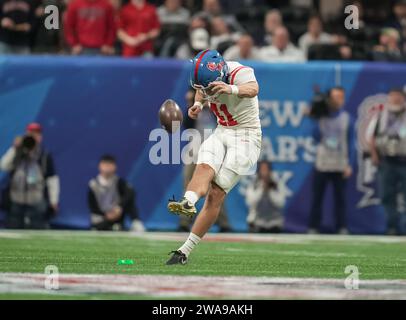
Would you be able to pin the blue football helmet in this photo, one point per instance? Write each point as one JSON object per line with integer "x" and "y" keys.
{"x": 208, "y": 66}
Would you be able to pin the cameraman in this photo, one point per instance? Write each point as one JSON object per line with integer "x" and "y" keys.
{"x": 33, "y": 191}
{"x": 388, "y": 151}
{"x": 334, "y": 135}
{"x": 265, "y": 201}
{"x": 111, "y": 198}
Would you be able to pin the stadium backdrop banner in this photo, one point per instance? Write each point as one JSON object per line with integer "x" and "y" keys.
{"x": 92, "y": 106}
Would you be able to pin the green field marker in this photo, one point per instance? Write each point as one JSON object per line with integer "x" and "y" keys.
{"x": 125, "y": 262}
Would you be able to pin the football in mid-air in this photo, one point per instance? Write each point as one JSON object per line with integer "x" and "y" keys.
{"x": 170, "y": 116}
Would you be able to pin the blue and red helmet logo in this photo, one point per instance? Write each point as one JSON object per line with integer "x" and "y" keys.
{"x": 213, "y": 66}
{"x": 208, "y": 66}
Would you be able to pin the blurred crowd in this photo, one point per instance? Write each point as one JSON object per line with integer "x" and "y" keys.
{"x": 264, "y": 30}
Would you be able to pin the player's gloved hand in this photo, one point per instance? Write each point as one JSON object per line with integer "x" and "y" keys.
{"x": 194, "y": 111}
{"x": 219, "y": 87}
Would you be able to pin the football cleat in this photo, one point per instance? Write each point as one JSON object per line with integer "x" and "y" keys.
{"x": 178, "y": 257}
{"x": 182, "y": 207}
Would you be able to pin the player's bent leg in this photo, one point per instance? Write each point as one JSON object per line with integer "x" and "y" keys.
{"x": 210, "y": 212}
{"x": 196, "y": 188}
{"x": 201, "y": 179}
{"x": 210, "y": 158}
{"x": 204, "y": 221}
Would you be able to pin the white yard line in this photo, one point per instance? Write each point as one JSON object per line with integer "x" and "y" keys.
{"x": 216, "y": 237}
{"x": 298, "y": 253}
{"x": 13, "y": 235}
{"x": 275, "y": 238}
{"x": 204, "y": 286}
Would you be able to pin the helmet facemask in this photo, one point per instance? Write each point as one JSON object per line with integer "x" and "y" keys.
{"x": 204, "y": 90}
{"x": 216, "y": 70}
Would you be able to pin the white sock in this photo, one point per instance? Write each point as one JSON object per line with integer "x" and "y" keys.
{"x": 189, "y": 244}
{"x": 192, "y": 197}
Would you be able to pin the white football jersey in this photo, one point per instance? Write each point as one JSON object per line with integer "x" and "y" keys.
{"x": 232, "y": 111}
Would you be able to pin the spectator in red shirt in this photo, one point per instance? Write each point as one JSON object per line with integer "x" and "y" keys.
{"x": 138, "y": 27}
{"x": 89, "y": 27}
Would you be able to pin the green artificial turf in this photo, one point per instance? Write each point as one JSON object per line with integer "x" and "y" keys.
{"x": 98, "y": 253}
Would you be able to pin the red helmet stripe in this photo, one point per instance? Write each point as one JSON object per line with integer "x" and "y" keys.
{"x": 198, "y": 63}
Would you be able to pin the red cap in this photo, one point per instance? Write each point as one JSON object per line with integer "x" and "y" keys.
{"x": 34, "y": 127}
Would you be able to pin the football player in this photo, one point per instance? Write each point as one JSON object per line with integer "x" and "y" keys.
{"x": 230, "y": 90}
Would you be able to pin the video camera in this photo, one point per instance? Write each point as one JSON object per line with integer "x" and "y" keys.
{"x": 28, "y": 143}
{"x": 319, "y": 105}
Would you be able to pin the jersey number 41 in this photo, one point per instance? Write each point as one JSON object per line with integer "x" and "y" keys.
{"x": 224, "y": 117}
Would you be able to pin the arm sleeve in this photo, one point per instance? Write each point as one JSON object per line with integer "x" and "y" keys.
{"x": 155, "y": 24}
{"x": 32, "y": 19}
{"x": 70, "y": 25}
{"x": 302, "y": 43}
{"x": 242, "y": 75}
{"x": 134, "y": 214}
{"x": 92, "y": 203}
{"x": 253, "y": 195}
{"x": 316, "y": 134}
{"x": 53, "y": 186}
{"x": 52, "y": 180}
{"x": 7, "y": 161}
{"x": 50, "y": 167}
{"x": 36, "y": 23}
{"x": 372, "y": 129}
{"x": 297, "y": 56}
{"x": 1, "y": 10}
{"x": 188, "y": 123}
{"x": 277, "y": 198}
{"x": 127, "y": 194}
{"x": 351, "y": 140}
{"x": 121, "y": 22}
{"x": 111, "y": 27}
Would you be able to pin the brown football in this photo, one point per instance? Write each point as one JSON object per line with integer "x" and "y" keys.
{"x": 170, "y": 116}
